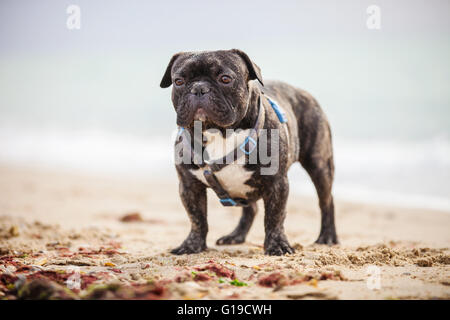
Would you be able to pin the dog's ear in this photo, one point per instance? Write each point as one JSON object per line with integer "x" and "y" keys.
{"x": 253, "y": 70}
{"x": 167, "y": 78}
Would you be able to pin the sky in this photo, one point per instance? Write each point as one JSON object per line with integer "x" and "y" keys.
{"x": 40, "y": 26}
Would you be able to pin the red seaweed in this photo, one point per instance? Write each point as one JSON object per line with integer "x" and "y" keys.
{"x": 218, "y": 269}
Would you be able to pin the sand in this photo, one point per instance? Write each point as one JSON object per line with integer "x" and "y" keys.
{"x": 61, "y": 230}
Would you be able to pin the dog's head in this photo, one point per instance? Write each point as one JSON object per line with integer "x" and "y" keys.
{"x": 211, "y": 86}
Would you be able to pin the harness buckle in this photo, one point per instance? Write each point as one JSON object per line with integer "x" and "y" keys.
{"x": 251, "y": 147}
{"x": 228, "y": 202}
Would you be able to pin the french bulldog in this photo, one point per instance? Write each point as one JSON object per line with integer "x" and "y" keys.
{"x": 224, "y": 90}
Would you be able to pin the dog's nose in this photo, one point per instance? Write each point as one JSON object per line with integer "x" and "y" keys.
{"x": 200, "y": 88}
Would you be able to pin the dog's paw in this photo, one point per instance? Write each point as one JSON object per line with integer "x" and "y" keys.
{"x": 192, "y": 244}
{"x": 231, "y": 239}
{"x": 277, "y": 246}
{"x": 188, "y": 249}
{"x": 328, "y": 238}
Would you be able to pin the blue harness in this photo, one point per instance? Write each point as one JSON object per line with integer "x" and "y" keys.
{"x": 278, "y": 110}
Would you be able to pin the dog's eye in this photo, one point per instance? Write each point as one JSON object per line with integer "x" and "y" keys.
{"x": 179, "y": 82}
{"x": 225, "y": 79}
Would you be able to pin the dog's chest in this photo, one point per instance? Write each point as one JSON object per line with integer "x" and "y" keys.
{"x": 233, "y": 176}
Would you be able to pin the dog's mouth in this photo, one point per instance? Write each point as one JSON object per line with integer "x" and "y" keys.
{"x": 208, "y": 112}
{"x": 200, "y": 115}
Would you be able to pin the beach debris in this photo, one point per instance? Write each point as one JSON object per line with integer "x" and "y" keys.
{"x": 310, "y": 294}
{"x": 207, "y": 272}
{"x": 10, "y": 260}
{"x": 61, "y": 277}
{"x": 93, "y": 253}
{"x": 134, "y": 276}
{"x": 114, "y": 244}
{"x": 189, "y": 290}
{"x": 109, "y": 264}
{"x": 81, "y": 262}
{"x": 332, "y": 275}
{"x": 183, "y": 277}
{"x": 275, "y": 279}
{"x": 237, "y": 283}
{"x": 218, "y": 269}
{"x": 42, "y": 262}
{"x": 313, "y": 282}
{"x": 42, "y": 289}
{"x": 7, "y": 280}
{"x": 26, "y": 269}
{"x": 9, "y": 231}
{"x": 148, "y": 291}
{"x": 132, "y": 217}
{"x": 14, "y": 231}
{"x": 102, "y": 291}
{"x": 424, "y": 262}
{"x": 197, "y": 296}
{"x": 234, "y": 295}
{"x": 52, "y": 285}
{"x": 200, "y": 276}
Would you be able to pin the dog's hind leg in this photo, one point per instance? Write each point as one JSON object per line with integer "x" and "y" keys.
{"x": 317, "y": 159}
{"x": 240, "y": 232}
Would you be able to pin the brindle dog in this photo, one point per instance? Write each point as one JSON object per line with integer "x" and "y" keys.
{"x": 224, "y": 89}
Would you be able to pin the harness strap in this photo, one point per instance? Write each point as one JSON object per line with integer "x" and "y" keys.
{"x": 278, "y": 110}
{"x": 247, "y": 147}
{"x": 221, "y": 193}
{"x": 280, "y": 114}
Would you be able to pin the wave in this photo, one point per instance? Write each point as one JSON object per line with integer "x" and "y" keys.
{"x": 406, "y": 173}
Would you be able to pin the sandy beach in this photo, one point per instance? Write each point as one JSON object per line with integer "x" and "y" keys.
{"x": 111, "y": 237}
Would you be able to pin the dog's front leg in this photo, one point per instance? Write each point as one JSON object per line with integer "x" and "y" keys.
{"x": 275, "y": 242}
{"x": 193, "y": 196}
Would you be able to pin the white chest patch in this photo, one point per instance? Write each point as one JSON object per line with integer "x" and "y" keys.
{"x": 233, "y": 176}
{"x": 218, "y": 146}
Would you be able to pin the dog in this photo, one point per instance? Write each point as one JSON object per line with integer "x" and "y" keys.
{"x": 224, "y": 90}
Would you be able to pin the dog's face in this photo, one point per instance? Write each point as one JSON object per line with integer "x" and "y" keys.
{"x": 210, "y": 86}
